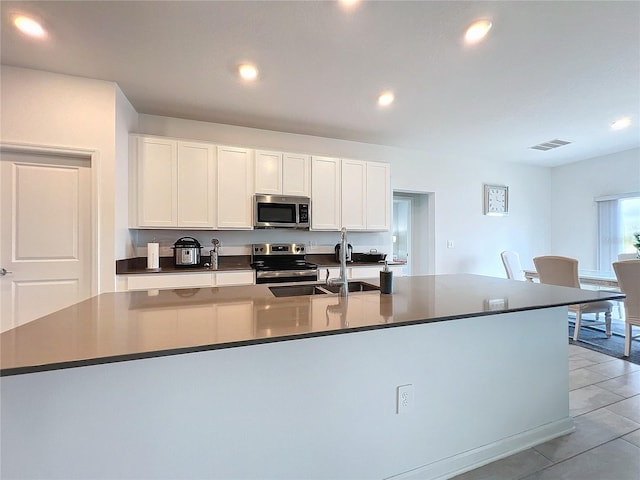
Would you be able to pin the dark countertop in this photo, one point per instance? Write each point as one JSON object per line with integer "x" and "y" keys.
{"x": 126, "y": 326}
{"x": 138, "y": 265}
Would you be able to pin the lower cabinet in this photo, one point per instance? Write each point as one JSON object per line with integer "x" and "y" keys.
{"x": 184, "y": 280}
{"x": 359, "y": 272}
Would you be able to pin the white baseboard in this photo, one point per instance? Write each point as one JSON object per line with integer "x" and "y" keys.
{"x": 472, "y": 459}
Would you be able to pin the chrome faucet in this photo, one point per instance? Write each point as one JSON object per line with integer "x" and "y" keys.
{"x": 342, "y": 279}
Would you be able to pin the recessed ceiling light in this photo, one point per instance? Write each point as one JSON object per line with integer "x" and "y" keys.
{"x": 348, "y": 4}
{"x": 29, "y": 26}
{"x": 477, "y": 31}
{"x": 385, "y": 99}
{"x": 621, "y": 123}
{"x": 248, "y": 71}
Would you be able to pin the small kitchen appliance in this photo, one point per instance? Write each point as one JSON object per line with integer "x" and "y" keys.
{"x": 186, "y": 252}
{"x": 349, "y": 252}
{"x": 277, "y": 211}
{"x": 282, "y": 262}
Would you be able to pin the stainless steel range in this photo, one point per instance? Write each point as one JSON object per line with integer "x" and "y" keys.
{"x": 282, "y": 262}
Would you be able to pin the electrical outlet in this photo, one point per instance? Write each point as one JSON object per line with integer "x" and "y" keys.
{"x": 404, "y": 398}
{"x": 449, "y": 243}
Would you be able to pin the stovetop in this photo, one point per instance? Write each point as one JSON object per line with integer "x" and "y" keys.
{"x": 279, "y": 256}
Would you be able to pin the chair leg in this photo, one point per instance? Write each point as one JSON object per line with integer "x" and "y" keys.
{"x": 607, "y": 320}
{"x": 627, "y": 340}
{"x": 577, "y": 329}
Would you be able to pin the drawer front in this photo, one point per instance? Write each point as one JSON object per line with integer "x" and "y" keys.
{"x": 235, "y": 278}
{"x": 186, "y": 280}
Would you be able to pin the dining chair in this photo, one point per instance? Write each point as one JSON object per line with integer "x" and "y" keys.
{"x": 563, "y": 271}
{"x": 511, "y": 262}
{"x": 628, "y": 275}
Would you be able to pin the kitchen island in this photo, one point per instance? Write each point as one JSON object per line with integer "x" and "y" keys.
{"x": 235, "y": 383}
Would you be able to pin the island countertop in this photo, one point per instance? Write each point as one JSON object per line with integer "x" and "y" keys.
{"x": 126, "y": 326}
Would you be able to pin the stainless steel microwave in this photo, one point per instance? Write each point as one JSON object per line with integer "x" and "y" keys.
{"x": 273, "y": 211}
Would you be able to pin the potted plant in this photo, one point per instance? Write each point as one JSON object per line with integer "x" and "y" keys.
{"x": 636, "y": 243}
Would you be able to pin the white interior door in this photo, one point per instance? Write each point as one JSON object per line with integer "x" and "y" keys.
{"x": 45, "y": 235}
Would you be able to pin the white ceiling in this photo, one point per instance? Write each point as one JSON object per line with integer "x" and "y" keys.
{"x": 547, "y": 70}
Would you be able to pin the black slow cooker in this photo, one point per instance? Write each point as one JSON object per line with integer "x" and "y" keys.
{"x": 186, "y": 252}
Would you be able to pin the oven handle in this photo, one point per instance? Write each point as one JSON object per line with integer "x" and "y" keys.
{"x": 287, "y": 273}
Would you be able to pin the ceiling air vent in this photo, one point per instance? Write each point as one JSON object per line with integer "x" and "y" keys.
{"x": 551, "y": 144}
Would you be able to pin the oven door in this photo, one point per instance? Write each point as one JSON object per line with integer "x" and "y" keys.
{"x": 282, "y": 276}
{"x": 276, "y": 214}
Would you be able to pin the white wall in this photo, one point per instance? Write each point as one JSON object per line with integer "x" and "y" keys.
{"x": 574, "y": 215}
{"x": 457, "y": 184}
{"x": 42, "y": 108}
{"x": 126, "y": 121}
{"x": 51, "y": 110}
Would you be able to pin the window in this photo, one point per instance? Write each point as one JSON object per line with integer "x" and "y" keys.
{"x": 618, "y": 220}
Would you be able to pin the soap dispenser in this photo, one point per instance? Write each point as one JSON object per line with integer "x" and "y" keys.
{"x": 386, "y": 279}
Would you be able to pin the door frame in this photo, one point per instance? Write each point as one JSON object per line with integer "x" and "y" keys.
{"x": 93, "y": 156}
{"x": 423, "y": 239}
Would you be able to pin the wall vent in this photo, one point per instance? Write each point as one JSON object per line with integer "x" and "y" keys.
{"x": 551, "y": 144}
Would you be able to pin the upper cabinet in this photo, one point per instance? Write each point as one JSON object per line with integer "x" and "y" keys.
{"x": 235, "y": 188}
{"x": 378, "y": 196}
{"x": 197, "y": 185}
{"x": 325, "y": 193}
{"x": 268, "y": 172}
{"x": 279, "y": 173}
{"x": 366, "y": 195}
{"x": 172, "y": 183}
{"x": 354, "y": 194}
{"x": 296, "y": 174}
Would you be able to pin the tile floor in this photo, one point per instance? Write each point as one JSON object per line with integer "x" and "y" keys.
{"x": 604, "y": 400}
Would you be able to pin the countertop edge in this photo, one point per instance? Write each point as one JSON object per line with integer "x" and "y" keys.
{"x": 256, "y": 341}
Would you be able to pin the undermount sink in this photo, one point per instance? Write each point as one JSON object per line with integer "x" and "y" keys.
{"x": 353, "y": 287}
{"x": 320, "y": 289}
{"x": 296, "y": 290}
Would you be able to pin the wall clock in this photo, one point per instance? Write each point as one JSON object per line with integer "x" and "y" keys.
{"x": 496, "y": 200}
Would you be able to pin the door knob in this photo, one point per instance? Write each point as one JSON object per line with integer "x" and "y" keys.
{"x": 3, "y": 272}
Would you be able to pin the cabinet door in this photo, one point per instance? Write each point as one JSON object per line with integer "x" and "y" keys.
{"x": 235, "y": 188}
{"x": 296, "y": 175}
{"x": 196, "y": 188}
{"x": 157, "y": 193}
{"x": 176, "y": 280}
{"x": 268, "y": 172}
{"x": 325, "y": 193}
{"x": 354, "y": 184}
{"x": 378, "y": 196}
{"x": 234, "y": 278}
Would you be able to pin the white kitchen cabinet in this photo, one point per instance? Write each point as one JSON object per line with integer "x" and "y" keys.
{"x": 296, "y": 175}
{"x": 282, "y": 173}
{"x": 359, "y": 272}
{"x": 268, "y": 173}
{"x": 236, "y": 277}
{"x": 325, "y": 193}
{"x": 235, "y": 174}
{"x": 378, "y": 197}
{"x": 354, "y": 194}
{"x": 153, "y": 187}
{"x": 196, "y": 185}
{"x": 172, "y": 184}
{"x": 168, "y": 281}
{"x": 199, "y": 279}
{"x": 366, "y": 195}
